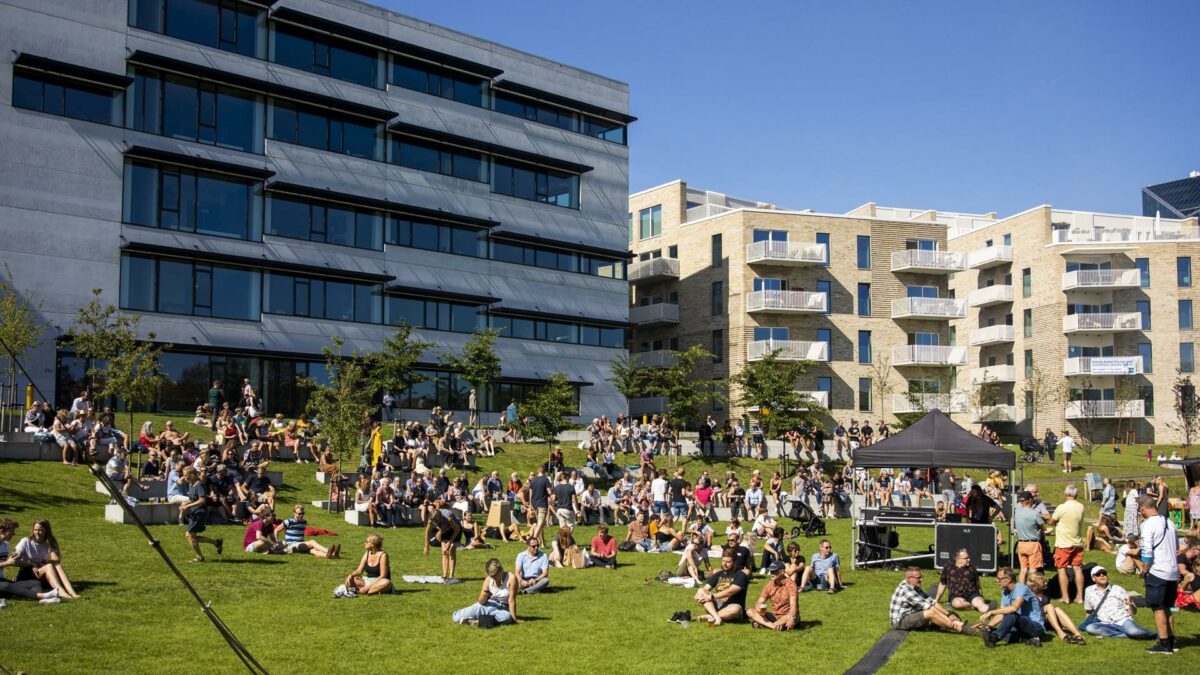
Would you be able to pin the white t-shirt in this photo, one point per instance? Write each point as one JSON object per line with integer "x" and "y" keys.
{"x": 1122, "y": 556}
{"x": 1159, "y": 537}
{"x": 658, "y": 490}
{"x": 1068, "y": 444}
{"x": 27, "y": 548}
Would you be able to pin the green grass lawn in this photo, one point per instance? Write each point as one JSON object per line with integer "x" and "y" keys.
{"x": 133, "y": 615}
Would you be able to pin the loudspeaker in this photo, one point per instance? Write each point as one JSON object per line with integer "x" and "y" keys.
{"x": 979, "y": 540}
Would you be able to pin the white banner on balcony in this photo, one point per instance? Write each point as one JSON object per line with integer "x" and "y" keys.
{"x": 1113, "y": 365}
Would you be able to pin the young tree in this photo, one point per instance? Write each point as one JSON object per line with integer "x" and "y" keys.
{"x": 478, "y": 363}
{"x": 341, "y": 405}
{"x": 393, "y": 368}
{"x": 1187, "y": 410}
{"x": 630, "y": 378}
{"x": 680, "y": 386}
{"x": 1125, "y": 392}
{"x": 881, "y": 379}
{"x": 1042, "y": 391}
{"x": 549, "y": 407}
{"x": 769, "y": 384}
{"x": 125, "y": 366}
{"x": 20, "y": 331}
{"x": 982, "y": 397}
{"x": 1089, "y": 415}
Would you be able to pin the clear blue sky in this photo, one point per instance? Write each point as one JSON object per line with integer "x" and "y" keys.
{"x": 958, "y": 106}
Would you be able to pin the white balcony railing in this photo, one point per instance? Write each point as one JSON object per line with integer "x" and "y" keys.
{"x": 928, "y": 261}
{"x": 789, "y": 350}
{"x": 787, "y": 301}
{"x": 1102, "y": 323}
{"x": 997, "y": 374}
{"x": 653, "y": 269}
{"x": 660, "y": 313}
{"x": 1079, "y": 227}
{"x": 1102, "y": 365}
{"x": 661, "y": 358}
{"x": 908, "y": 403}
{"x": 1100, "y": 279}
{"x": 993, "y": 335}
{"x": 647, "y": 406}
{"x": 1104, "y": 409}
{"x": 705, "y": 211}
{"x": 929, "y": 355}
{"x": 995, "y": 413}
{"x": 989, "y": 256}
{"x": 821, "y": 398}
{"x": 929, "y": 308}
{"x": 991, "y": 295}
{"x": 786, "y": 253}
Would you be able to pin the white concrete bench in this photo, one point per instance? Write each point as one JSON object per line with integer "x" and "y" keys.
{"x": 157, "y": 489}
{"x": 150, "y": 514}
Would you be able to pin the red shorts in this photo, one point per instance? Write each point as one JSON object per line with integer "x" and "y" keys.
{"x": 1068, "y": 557}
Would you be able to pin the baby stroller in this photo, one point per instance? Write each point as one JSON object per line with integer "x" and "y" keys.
{"x": 810, "y": 525}
{"x": 1032, "y": 450}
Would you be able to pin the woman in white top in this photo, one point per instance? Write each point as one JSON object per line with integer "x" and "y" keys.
{"x": 38, "y": 557}
{"x": 497, "y": 597}
{"x": 30, "y": 588}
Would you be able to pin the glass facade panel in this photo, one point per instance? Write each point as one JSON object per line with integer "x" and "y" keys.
{"x": 196, "y": 111}
{"x": 324, "y": 55}
{"x": 1143, "y": 266}
{"x": 864, "y": 252}
{"x": 1183, "y": 271}
{"x": 60, "y": 96}
{"x": 864, "y": 299}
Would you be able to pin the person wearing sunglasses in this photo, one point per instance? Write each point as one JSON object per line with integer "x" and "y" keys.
{"x": 1110, "y": 610}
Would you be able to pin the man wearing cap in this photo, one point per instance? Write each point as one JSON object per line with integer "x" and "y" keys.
{"x": 1027, "y": 523}
{"x": 911, "y": 609}
{"x": 1068, "y": 543}
{"x": 781, "y": 593}
{"x": 1110, "y": 610}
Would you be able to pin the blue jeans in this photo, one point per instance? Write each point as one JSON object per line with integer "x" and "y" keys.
{"x": 661, "y": 507}
{"x": 1112, "y": 630}
{"x": 679, "y": 509}
{"x": 477, "y": 610}
{"x": 1014, "y": 628}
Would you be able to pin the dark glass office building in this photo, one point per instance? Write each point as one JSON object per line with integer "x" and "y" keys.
{"x": 1175, "y": 199}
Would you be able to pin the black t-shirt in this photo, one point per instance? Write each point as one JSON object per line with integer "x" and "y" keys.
{"x": 742, "y": 558}
{"x": 1182, "y": 559}
{"x": 257, "y": 484}
{"x": 677, "y": 485}
{"x": 737, "y": 493}
{"x": 198, "y": 490}
{"x": 563, "y": 493}
{"x": 539, "y": 492}
{"x": 723, "y": 580}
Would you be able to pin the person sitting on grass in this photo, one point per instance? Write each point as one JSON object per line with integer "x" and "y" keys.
{"x": 40, "y": 559}
{"x": 195, "y": 514}
{"x": 532, "y": 567}
{"x": 695, "y": 555}
{"x": 723, "y": 596}
{"x": 781, "y": 593}
{"x": 639, "y": 533}
{"x": 373, "y": 575}
{"x": 824, "y": 572}
{"x": 604, "y": 549}
{"x": 497, "y": 597}
{"x": 911, "y": 609}
{"x": 26, "y": 588}
{"x": 1019, "y": 617}
{"x": 445, "y": 527}
{"x": 294, "y": 529}
{"x": 962, "y": 580}
{"x": 561, "y": 547}
{"x": 794, "y": 563}
{"x": 1056, "y": 619}
{"x": 260, "y": 536}
{"x": 1110, "y": 610}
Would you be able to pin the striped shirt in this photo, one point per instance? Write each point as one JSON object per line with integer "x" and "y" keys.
{"x": 294, "y": 530}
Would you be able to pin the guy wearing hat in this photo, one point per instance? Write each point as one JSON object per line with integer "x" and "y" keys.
{"x": 1110, "y": 610}
{"x": 781, "y": 592}
{"x": 1027, "y": 523}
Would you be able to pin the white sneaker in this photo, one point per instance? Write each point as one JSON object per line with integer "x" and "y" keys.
{"x": 49, "y": 601}
{"x": 340, "y": 591}
{"x": 53, "y": 593}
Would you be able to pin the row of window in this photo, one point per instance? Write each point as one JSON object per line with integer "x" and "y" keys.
{"x": 172, "y": 286}
{"x": 173, "y": 198}
{"x": 244, "y": 29}
{"x": 452, "y": 392}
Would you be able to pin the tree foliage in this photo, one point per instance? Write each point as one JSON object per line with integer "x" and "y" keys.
{"x": 769, "y": 384}
{"x": 20, "y": 329}
{"x": 629, "y": 376}
{"x": 393, "y": 368}
{"x": 341, "y": 404}
{"x": 1187, "y": 409}
{"x": 881, "y": 380}
{"x": 680, "y": 386}
{"x": 478, "y": 362}
{"x": 1043, "y": 390}
{"x": 549, "y": 407}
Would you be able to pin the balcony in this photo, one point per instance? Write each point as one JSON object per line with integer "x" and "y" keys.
{"x": 1102, "y": 365}
{"x": 1104, "y": 409}
{"x": 655, "y": 269}
{"x": 911, "y": 403}
{"x": 647, "y": 406}
{"x": 789, "y": 350}
{"x": 994, "y": 374}
{"x": 928, "y": 262}
{"x": 993, "y": 335}
{"x": 1101, "y": 280}
{"x": 654, "y": 315}
{"x": 1102, "y": 323}
{"x": 1079, "y": 227}
{"x": 787, "y": 302}
{"x": 929, "y": 355}
{"x": 662, "y": 358}
{"x": 992, "y": 295}
{"x": 929, "y": 308}
{"x": 821, "y": 398}
{"x": 785, "y": 253}
{"x": 995, "y": 413}
{"x": 989, "y": 256}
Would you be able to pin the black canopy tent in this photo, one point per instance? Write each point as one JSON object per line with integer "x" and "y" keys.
{"x": 933, "y": 441}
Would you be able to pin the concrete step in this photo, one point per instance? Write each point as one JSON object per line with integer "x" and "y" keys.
{"x": 150, "y": 514}
{"x": 157, "y": 489}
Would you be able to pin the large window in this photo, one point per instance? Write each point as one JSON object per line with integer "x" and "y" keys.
{"x": 864, "y": 346}
{"x": 864, "y": 394}
{"x": 324, "y": 55}
{"x": 718, "y": 298}
{"x": 864, "y": 252}
{"x": 325, "y": 130}
{"x": 718, "y": 346}
{"x": 823, "y": 238}
{"x": 422, "y": 155}
{"x": 1187, "y": 357}
{"x": 1146, "y": 351}
{"x": 173, "y": 198}
{"x": 1143, "y": 266}
{"x": 186, "y": 287}
{"x": 1185, "y": 315}
{"x": 1028, "y": 363}
{"x": 563, "y": 118}
{"x": 224, "y": 24}
{"x": 312, "y": 220}
{"x": 1143, "y": 308}
{"x": 826, "y": 335}
{"x": 826, "y": 288}
{"x": 535, "y": 183}
{"x": 1183, "y": 271}
{"x": 650, "y": 222}
{"x": 320, "y": 298}
{"x": 557, "y": 259}
{"x": 438, "y": 81}
{"x": 1027, "y": 323}
{"x": 1027, "y": 282}
{"x": 428, "y": 235}
{"x": 558, "y": 331}
{"x": 454, "y": 317}
{"x": 864, "y": 299}
{"x": 717, "y": 255}
{"x": 63, "y": 96}
{"x": 194, "y": 110}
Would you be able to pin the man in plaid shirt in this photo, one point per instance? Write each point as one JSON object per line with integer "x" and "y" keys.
{"x": 912, "y": 609}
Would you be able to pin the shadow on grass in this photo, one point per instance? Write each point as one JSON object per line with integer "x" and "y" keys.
{"x": 39, "y": 500}
{"x": 245, "y": 561}
{"x": 803, "y": 625}
{"x": 81, "y": 586}
{"x": 554, "y": 589}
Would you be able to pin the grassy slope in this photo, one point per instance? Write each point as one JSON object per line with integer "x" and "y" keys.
{"x": 281, "y": 606}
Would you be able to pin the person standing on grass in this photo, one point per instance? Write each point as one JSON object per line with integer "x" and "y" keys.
{"x": 1159, "y": 563}
{"x": 781, "y": 593}
{"x": 444, "y": 526}
{"x": 539, "y": 497}
{"x": 195, "y": 514}
{"x": 215, "y": 398}
{"x": 1068, "y": 543}
{"x": 1028, "y": 526}
{"x": 723, "y": 596}
{"x": 1068, "y": 447}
